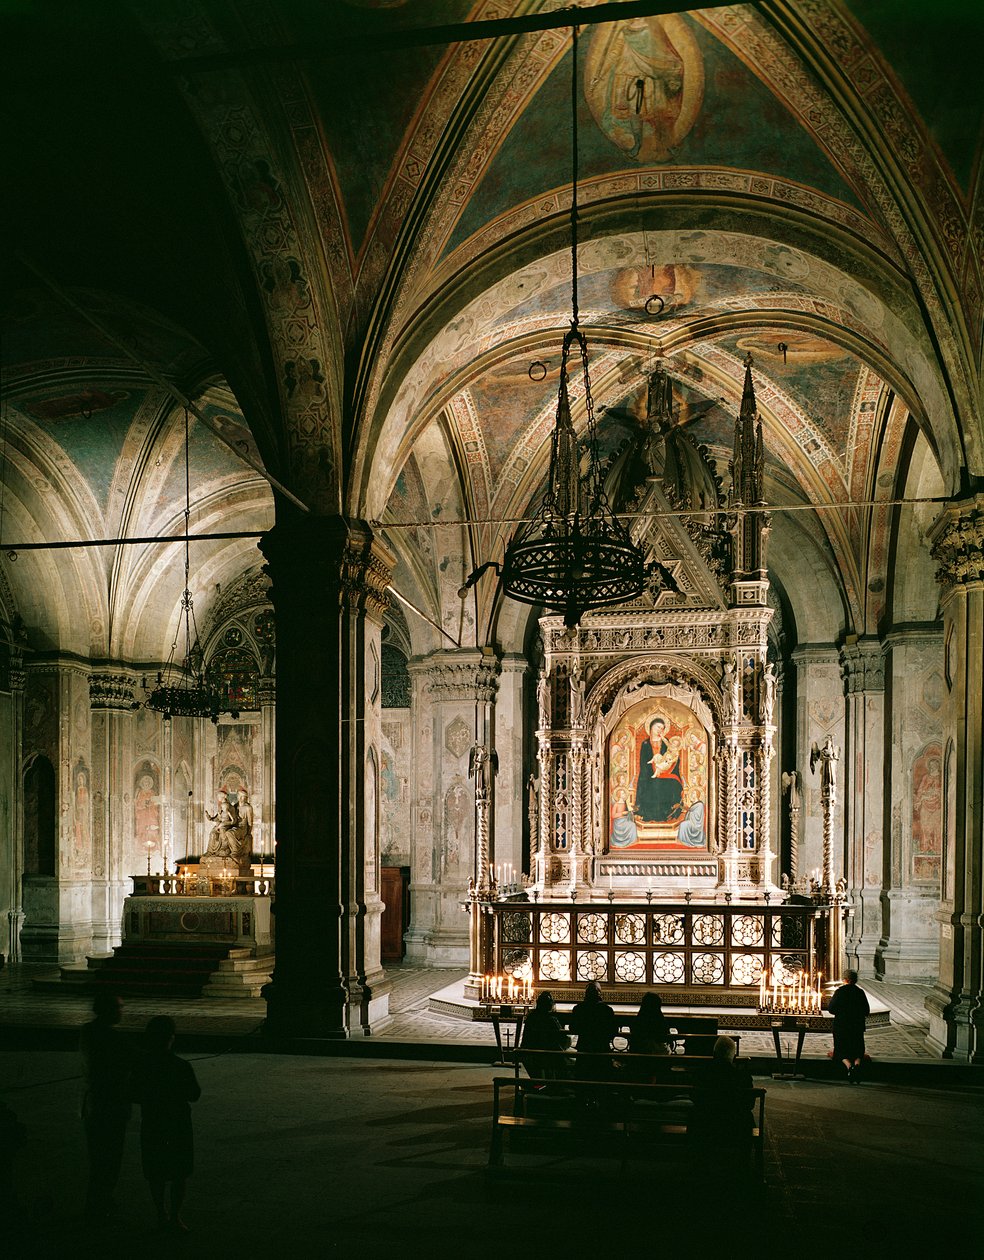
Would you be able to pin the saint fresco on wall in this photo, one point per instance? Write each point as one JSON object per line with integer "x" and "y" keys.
{"x": 147, "y": 811}
{"x": 927, "y": 813}
{"x": 81, "y": 815}
{"x": 658, "y": 778}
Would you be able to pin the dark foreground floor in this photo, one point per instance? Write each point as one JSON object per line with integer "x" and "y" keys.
{"x": 300, "y": 1157}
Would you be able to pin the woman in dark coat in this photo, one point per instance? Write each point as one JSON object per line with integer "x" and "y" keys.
{"x": 649, "y": 1033}
{"x": 849, "y": 1007}
{"x": 164, "y": 1086}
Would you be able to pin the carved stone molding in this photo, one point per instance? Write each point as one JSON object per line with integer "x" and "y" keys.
{"x": 957, "y": 544}
{"x": 645, "y": 632}
{"x": 112, "y": 691}
{"x": 464, "y": 675}
{"x": 862, "y": 665}
{"x": 365, "y": 573}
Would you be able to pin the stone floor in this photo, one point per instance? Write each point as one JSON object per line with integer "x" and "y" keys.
{"x": 23, "y": 1007}
{"x": 307, "y": 1156}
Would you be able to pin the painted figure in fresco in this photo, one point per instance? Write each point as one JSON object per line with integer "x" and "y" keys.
{"x": 691, "y": 830}
{"x": 927, "y": 806}
{"x": 659, "y": 790}
{"x": 623, "y": 831}
{"x": 644, "y": 87}
{"x": 81, "y": 819}
{"x": 147, "y": 814}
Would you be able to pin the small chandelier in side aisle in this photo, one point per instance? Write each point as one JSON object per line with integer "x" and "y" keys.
{"x": 575, "y": 554}
{"x": 185, "y": 690}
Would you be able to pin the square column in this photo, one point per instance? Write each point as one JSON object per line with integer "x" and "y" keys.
{"x": 329, "y": 579}
{"x": 956, "y": 1007}
{"x": 862, "y": 666}
{"x": 452, "y": 691}
{"x": 819, "y": 712}
{"x": 913, "y": 822}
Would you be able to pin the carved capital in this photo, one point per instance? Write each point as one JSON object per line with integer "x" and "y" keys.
{"x": 320, "y": 558}
{"x": 464, "y": 675}
{"x": 862, "y": 666}
{"x": 957, "y": 544}
{"x": 112, "y": 691}
{"x": 366, "y": 569}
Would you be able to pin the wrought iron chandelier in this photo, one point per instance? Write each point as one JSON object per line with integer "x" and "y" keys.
{"x": 574, "y": 554}
{"x": 185, "y": 690}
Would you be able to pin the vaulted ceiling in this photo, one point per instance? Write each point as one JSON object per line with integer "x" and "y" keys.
{"x": 343, "y": 231}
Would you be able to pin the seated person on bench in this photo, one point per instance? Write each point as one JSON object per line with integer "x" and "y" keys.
{"x": 594, "y": 1024}
{"x": 724, "y": 1100}
{"x": 649, "y": 1032}
{"x": 542, "y": 1031}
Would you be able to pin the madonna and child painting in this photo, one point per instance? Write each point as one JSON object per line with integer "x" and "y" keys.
{"x": 658, "y": 778}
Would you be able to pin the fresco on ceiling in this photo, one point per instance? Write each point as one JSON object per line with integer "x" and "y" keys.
{"x": 80, "y": 403}
{"x": 209, "y": 457}
{"x": 739, "y": 124}
{"x": 506, "y": 402}
{"x": 644, "y": 83}
{"x": 936, "y": 55}
{"x": 817, "y": 375}
{"x": 93, "y": 441}
{"x": 367, "y": 98}
{"x": 658, "y": 779}
{"x": 621, "y": 294}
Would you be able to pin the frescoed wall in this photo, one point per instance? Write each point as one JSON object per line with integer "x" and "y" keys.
{"x": 927, "y": 813}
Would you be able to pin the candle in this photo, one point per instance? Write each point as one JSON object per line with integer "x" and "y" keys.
{"x": 609, "y": 881}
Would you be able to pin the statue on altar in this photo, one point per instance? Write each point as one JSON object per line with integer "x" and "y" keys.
{"x": 230, "y": 839}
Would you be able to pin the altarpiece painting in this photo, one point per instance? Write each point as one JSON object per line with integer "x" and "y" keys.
{"x": 658, "y": 769}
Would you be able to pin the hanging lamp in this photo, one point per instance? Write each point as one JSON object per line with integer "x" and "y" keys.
{"x": 574, "y": 554}
{"x": 185, "y": 690}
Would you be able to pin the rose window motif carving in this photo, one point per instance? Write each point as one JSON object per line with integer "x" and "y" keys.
{"x": 747, "y": 930}
{"x": 555, "y": 928}
{"x": 555, "y": 965}
{"x": 786, "y": 968}
{"x": 708, "y": 969}
{"x": 745, "y": 968}
{"x": 630, "y": 929}
{"x": 668, "y": 968}
{"x": 630, "y": 967}
{"x": 592, "y": 929}
{"x": 708, "y": 929}
{"x": 591, "y": 965}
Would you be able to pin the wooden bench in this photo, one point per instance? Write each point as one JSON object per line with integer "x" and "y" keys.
{"x": 614, "y": 1065}
{"x": 618, "y": 1117}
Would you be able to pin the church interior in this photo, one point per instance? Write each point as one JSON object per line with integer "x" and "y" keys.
{"x": 322, "y": 323}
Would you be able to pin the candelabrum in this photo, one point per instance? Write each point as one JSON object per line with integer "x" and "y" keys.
{"x": 797, "y": 993}
{"x": 503, "y": 990}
